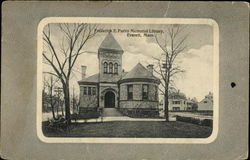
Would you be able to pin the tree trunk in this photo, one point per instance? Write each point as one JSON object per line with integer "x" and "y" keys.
{"x": 166, "y": 96}
{"x": 67, "y": 101}
{"x": 62, "y": 109}
{"x": 57, "y": 110}
{"x": 51, "y": 103}
{"x": 53, "y": 112}
{"x": 166, "y": 104}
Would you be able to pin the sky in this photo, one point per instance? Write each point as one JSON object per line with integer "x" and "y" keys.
{"x": 196, "y": 60}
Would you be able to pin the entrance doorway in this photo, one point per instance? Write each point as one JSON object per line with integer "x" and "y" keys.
{"x": 109, "y": 101}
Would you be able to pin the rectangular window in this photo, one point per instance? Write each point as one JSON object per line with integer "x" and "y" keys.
{"x": 156, "y": 93}
{"x": 84, "y": 90}
{"x": 116, "y": 68}
{"x": 130, "y": 92}
{"x": 176, "y": 102}
{"x": 89, "y": 90}
{"x": 105, "y": 67}
{"x": 176, "y": 108}
{"x": 94, "y": 91}
{"x": 145, "y": 91}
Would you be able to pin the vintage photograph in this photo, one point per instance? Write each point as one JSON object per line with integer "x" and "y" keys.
{"x": 124, "y": 80}
{"x": 127, "y": 80}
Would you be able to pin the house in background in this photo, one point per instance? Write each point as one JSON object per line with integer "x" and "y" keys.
{"x": 179, "y": 102}
{"x": 207, "y": 103}
{"x": 114, "y": 88}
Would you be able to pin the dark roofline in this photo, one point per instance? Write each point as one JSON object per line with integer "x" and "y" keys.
{"x": 110, "y": 49}
{"x": 139, "y": 80}
{"x": 84, "y": 82}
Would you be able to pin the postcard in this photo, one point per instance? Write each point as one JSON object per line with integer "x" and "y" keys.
{"x": 127, "y": 80}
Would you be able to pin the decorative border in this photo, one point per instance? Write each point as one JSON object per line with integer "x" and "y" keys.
{"x": 207, "y": 21}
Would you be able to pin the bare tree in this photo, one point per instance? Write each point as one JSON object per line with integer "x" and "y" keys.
{"x": 71, "y": 45}
{"x": 50, "y": 84}
{"x": 172, "y": 43}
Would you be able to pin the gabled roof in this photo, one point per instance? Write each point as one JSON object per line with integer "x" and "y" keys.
{"x": 139, "y": 71}
{"x": 91, "y": 79}
{"x": 110, "y": 43}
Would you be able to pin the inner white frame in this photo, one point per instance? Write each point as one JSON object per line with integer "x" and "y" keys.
{"x": 135, "y": 21}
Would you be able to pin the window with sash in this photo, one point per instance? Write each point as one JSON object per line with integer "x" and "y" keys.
{"x": 111, "y": 67}
{"x": 105, "y": 67}
{"x": 115, "y": 68}
{"x": 84, "y": 90}
{"x": 156, "y": 93}
{"x": 94, "y": 91}
{"x": 130, "y": 92}
{"x": 89, "y": 90}
{"x": 176, "y": 102}
{"x": 144, "y": 91}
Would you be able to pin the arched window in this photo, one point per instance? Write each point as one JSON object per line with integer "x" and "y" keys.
{"x": 116, "y": 68}
{"x": 110, "y": 67}
{"x": 105, "y": 67}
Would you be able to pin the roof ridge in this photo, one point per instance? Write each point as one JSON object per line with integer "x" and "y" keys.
{"x": 139, "y": 71}
{"x": 91, "y": 78}
{"x": 110, "y": 42}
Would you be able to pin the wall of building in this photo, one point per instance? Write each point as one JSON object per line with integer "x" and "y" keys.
{"x": 137, "y": 101}
{"x": 185, "y": 105}
{"x": 110, "y": 57}
{"x": 205, "y": 105}
{"x": 182, "y": 106}
{"x": 88, "y": 100}
{"x": 104, "y": 88}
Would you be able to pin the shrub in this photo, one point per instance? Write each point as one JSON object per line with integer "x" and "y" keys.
{"x": 59, "y": 124}
{"x": 188, "y": 120}
{"x": 140, "y": 112}
{"x": 207, "y": 122}
{"x": 87, "y": 113}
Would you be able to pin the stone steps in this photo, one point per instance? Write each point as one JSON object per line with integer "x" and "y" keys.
{"x": 111, "y": 112}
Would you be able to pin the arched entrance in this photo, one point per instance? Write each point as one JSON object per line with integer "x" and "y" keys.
{"x": 109, "y": 100}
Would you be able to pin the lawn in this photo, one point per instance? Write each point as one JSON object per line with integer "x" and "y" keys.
{"x": 139, "y": 129}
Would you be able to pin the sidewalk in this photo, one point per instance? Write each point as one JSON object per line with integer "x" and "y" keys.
{"x": 124, "y": 118}
{"x": 113, "y": 117}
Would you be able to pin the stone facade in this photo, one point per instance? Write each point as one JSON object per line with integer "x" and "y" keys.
{"x": 104, "y": 88}
{"x": 111, "y": 83}
{"x": 137, "y": 101}
{"x": 88, "y": 98}
{"x": 110, "y": 58}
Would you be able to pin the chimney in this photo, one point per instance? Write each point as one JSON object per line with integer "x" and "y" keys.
{"x": 150, "y": 68}
{"x": 84, "y": 68}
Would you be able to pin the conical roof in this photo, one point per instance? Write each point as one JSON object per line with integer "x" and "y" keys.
{"x": 110, "y": 43}
{"x": 139, "y": 71}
